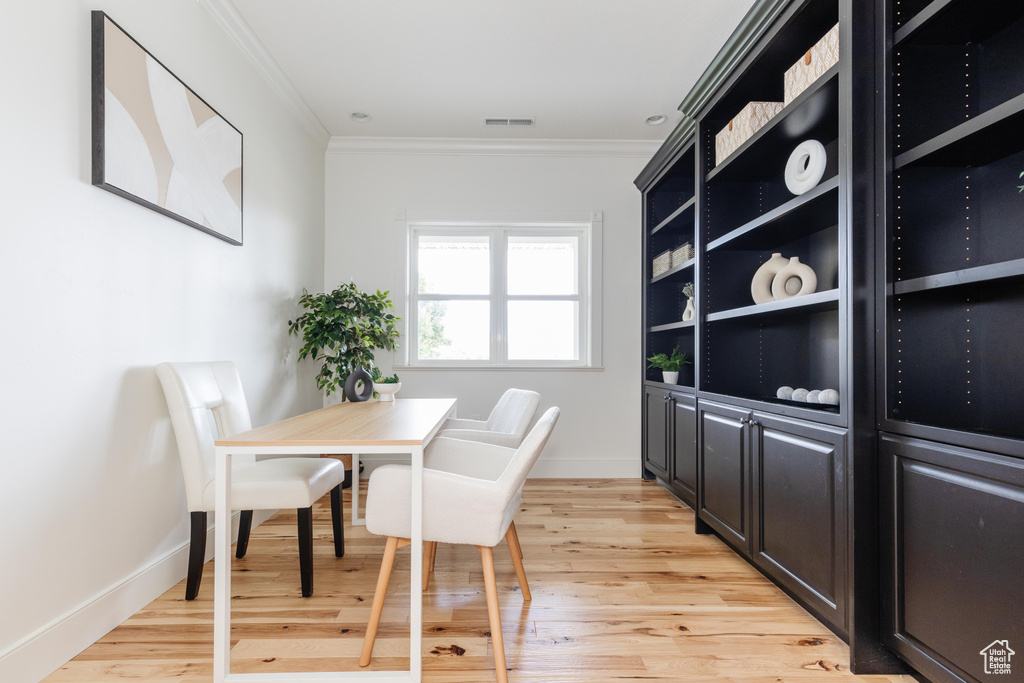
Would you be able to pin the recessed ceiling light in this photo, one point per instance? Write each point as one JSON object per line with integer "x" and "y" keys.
{"x": 361, "y": 116}
{"x": 655, "y": 120}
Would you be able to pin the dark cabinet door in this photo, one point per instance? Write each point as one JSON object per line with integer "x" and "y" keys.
{"x": 656, "y": 432}
{"x": 799, "y": 514}
{"x": 683, "y": 410}
{"x": 954, "y": 541}
{"x": 723, "y": 498}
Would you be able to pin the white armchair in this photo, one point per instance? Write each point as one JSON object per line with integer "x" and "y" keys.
{"x": 474, "y": 505}
{"x": 505, "y": 426}
{"x": 193, "y": 390}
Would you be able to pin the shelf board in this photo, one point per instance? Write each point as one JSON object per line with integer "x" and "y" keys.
{"x": 818, "y": 301}
{"x": 679, "y": 325}
{"x": 957, "y": 22}
{"x": 987, "y": 137}
{"x": 815, "y": 111}
{"x": 674, "y": 215}
{"x": 994, "y": 271}
{"x": 675, "y": 270}
{"x": 800, "y": 216}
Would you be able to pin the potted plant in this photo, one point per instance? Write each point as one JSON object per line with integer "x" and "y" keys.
{"x": 385, "y": 387}
{"x": 669, "y": 364}
{"x": 690, "y": 311}
{"x": 342, "y": 328}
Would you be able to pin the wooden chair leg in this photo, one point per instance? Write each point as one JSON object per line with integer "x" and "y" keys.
{"x": 386, "y": 565}
{"x": 517, "y": 559}
{"x": 338, "y": 520}
{"x": 196, "y": 555}
{"x": 497, "y": 642}
{"x": 429, "y": 548}
{"x": 305, "y": 531}
{"x": 244, "y": 527}
{"x": 515, "y": 537}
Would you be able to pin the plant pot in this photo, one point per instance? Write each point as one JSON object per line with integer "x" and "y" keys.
{"x": 386, "y": 392}
{"x": 670, "y": 377}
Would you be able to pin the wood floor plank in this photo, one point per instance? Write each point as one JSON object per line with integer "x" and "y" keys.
{"x": 622, "y": 590}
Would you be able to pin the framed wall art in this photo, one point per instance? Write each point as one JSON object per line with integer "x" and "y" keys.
{"x": 156, "y": 142}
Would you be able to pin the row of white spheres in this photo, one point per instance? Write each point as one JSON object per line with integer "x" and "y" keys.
{"x": 827, "y": 396}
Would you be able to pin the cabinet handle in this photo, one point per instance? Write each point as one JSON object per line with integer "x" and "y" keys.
{"x": 744, "y": 421}
{"x": 754, "y": 423}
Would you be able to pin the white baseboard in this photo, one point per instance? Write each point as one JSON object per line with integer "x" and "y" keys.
{"x": 39, "y": 654}
{"x": 628, "y": 468}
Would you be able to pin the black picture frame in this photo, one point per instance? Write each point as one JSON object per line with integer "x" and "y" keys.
{"x": 157, "y": 143}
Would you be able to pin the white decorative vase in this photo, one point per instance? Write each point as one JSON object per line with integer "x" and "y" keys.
{"x": 796, "y": 279}
{"x": 805, "y": 167}
{"x": 670, "y": 377}
{"x": 386, "y": 392}
{"x": 761, "y": 285}
{"x": 689, "y": 312}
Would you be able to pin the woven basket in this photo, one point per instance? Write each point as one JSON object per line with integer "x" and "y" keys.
{"x": 682, "y": 254}
{"x": 662, "y": 263}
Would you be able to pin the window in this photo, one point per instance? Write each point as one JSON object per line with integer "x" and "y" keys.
{"x": 500, "y": 295}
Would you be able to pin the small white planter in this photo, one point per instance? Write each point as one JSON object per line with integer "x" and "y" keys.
{"x": 670, "y": 377}
{"x": 386, "y": 392}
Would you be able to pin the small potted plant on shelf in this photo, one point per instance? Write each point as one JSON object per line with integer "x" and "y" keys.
{"x": 669, "y": 364}
{"x": 341, "y": 329}
{"x": 385, "y": 387}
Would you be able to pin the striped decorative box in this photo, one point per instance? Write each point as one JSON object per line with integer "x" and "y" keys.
{"x": 662, "y": 263}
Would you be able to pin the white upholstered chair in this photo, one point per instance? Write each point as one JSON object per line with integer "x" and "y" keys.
{"x": 467, "y": 499}
{"x": 193, "y": 391}
{"x": 505, "y": 426}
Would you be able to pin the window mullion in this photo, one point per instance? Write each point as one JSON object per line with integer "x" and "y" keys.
{"x": 499, "y": 316}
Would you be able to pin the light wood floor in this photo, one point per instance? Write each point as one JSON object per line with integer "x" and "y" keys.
{"x": 622, "y": 590}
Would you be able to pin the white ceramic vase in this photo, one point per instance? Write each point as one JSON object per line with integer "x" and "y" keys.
{"x": 796, "y": 279}
{"x": 670, "y": 377}
{"x": 690, "y": 311}
{"x": 761, "y": 285}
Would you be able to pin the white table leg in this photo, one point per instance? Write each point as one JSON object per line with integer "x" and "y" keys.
{"x": 416, "y": 583}
{"x": 222, "y": 569}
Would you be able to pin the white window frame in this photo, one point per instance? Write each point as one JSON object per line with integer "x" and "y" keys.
{"x": 585, "y": 226}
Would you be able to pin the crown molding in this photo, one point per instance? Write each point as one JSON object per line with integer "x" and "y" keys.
{"x": 227, "y": 16}
{"x": 493, "y": 147}
{"x": 753, "y": 25}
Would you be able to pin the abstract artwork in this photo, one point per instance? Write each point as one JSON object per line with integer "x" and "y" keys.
{"x": 156, "y": 142}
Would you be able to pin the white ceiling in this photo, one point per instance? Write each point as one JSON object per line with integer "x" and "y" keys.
{"x": 586, "y": 69}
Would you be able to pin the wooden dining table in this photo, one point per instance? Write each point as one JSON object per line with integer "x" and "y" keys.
{"x": 404, "y": 426}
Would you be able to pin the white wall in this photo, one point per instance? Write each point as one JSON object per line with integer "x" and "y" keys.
{"x": 599, "y": 431}
{"x": 96, "y": 291}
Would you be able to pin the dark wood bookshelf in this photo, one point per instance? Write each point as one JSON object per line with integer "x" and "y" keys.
{"x": 673, "y": 326}
{"x": 957, "y": 278}
{"x": 677, "y": 220}
{"x": 798, "y": 217}
{"x": 813, "y": 114}
{"x": 988, "y": 137}
{"x": 675, "y": 272}
{"x": 957, "y": 22}
{"x": 818, "y": 301}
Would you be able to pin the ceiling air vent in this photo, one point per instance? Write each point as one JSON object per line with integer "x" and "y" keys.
{"x": 510, "y": 121}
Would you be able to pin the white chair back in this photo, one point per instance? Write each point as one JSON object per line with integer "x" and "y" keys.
{"x": 513, "y": 412}
{"x": 511, "y": 480}
{"x": 192, "y": 391}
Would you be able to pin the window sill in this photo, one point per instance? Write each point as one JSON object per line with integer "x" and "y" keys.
{"x": 502, "y": 368}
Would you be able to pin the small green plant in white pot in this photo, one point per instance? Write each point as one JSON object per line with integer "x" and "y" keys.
{"x": 385, "y": 387}
{"x": 669, "y": 364}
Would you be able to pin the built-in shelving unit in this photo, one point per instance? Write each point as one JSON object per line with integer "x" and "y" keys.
{"x": 949, "y": 359}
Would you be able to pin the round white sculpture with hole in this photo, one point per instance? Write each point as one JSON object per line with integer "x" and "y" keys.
{"x": 805, "y": 167}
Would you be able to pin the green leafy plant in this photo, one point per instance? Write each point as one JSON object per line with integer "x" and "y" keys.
{"x": 378, "y": 377}
{"x": 342, "y": 328}
{"x": 669, "y": 363}
{"x": 688, "y": 290}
